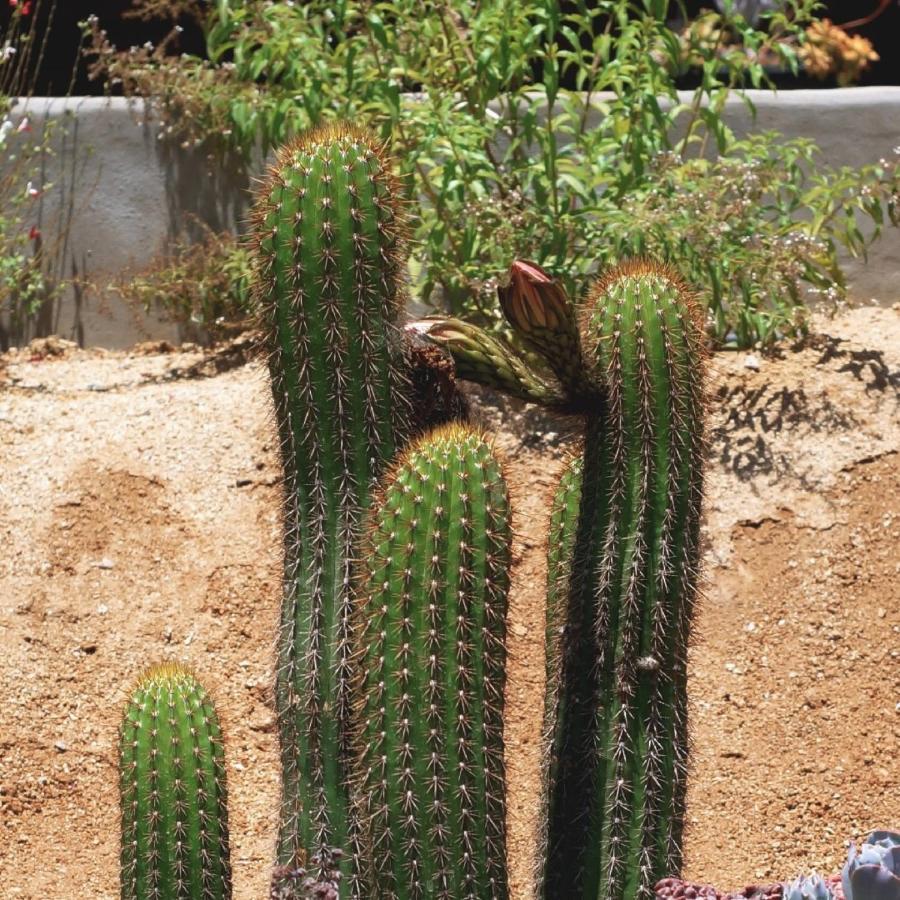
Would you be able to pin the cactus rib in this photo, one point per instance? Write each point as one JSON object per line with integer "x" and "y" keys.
{"x": 432, "y": 648}
{"x": 173, "y": 796}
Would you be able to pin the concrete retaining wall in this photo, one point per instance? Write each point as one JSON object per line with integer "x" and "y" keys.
{"x": 125, "y": 196}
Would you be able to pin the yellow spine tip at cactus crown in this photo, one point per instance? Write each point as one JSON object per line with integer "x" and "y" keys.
{"x": 165, "y": 673}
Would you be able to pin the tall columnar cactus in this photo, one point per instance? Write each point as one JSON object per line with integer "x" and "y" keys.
{"x": 623, "y": 585}
{"x": 433, "y": 661}
{"x": 172, "y": 780}
{"x": 330, "y": 291}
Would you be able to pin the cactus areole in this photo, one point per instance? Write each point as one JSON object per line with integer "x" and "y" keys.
{"x": 433, "y": 663}
{"x": 329, "y": 291}
{"x": 623, "y": 571}
{"x": 172, "y": 782}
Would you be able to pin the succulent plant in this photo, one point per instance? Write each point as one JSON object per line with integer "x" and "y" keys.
{"x": 873, "y": 871}
{"x": 173, "y": 797}
{"x": 330, "y": 292}
{"x": 431, "y": 643}
{"x": 623, "y": 583}
{"x": 807, "y": 887}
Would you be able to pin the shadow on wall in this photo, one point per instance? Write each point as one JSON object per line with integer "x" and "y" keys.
{"x": 114, "y": 197}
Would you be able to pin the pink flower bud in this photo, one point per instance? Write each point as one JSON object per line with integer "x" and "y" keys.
{"x": 533, "y": 299}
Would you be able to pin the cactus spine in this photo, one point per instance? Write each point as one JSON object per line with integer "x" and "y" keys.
{"x": 625, "y": 583}
{"x": 433, "y": 661}
{"x": 330, "y": 290}
{"x": 172, "y": 781}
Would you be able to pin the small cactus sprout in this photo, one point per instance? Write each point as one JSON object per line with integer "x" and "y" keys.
{"x": 432, "y": 626}
{"x": 622, "y": 587}
{"x": 172, "y": 780}
{"x": 807, "y": 887}
{"x": 330, "y": 292}
{"x": 873, "y": 871}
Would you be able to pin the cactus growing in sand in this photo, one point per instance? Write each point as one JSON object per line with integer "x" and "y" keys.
{"x": 330, "y": 292}
{"x": 173, "y": 799}
{"x": 431, "y": 637}
{"x": 620, "y": 617}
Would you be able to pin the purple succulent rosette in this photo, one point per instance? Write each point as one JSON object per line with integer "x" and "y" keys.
{"x": 813, "y": 886}
{"x": 677, "y": 889}
{"x": 873, "y": 871}
{"x": 809, "y": 887}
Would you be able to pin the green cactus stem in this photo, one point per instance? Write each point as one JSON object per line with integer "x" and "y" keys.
{"x": 433, "y": 662}
{"x": 330, "y": 291}
{"x": 172, "y": 781}
{"x": 622, "y": 591}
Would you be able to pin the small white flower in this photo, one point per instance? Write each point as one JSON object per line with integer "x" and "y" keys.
{"x": 5, "y": 129}
{"x": 7, "y": 52}
{"x": 32, "y": 191}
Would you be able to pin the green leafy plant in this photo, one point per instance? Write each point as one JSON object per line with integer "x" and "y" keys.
{"x": 205, "y": 284}
{"x": 531, "y": 131}
{"x": 27, "y": 288}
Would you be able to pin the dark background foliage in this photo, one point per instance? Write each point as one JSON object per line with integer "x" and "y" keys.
{"x": 56, "y": 71}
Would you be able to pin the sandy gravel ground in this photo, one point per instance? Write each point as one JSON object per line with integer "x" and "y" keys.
{"x": 139, "y": 520}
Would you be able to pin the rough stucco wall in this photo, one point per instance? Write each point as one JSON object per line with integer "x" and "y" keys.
{"x": 126, "y": 195}
{"x": 119, "y": 198}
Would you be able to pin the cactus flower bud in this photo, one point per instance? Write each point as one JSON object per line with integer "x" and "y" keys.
{"x": 488, "y": 360}
{"x": 539, "y": 311}
{"x": 533, "y": 299}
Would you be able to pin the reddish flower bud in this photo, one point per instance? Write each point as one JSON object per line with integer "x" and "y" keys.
{"x": 532, "y": 299}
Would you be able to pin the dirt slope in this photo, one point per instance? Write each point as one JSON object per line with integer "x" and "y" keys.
{"x": 139, "y": 521}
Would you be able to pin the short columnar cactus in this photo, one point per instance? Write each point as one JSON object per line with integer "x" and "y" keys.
{"x": 433, "y": 661}
{"x": 330, "y": 292}
{"x": 172, "y": 781}
{"x": 623, "y": 583}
